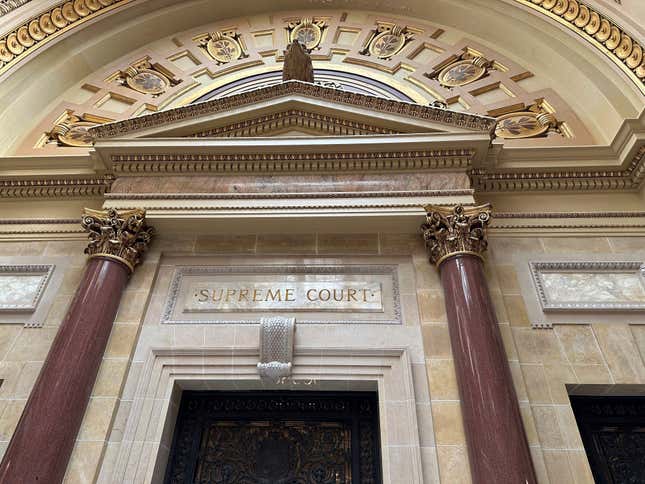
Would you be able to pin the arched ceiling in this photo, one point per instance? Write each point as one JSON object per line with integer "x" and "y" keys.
{"x": 532, "y": 56}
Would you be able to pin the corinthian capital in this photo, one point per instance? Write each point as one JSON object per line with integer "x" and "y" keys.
{"x": 456, "y": 230}
{"x": 123, "y": 236}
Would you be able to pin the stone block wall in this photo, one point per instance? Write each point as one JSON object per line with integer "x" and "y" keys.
{"x": 542, "y": 361}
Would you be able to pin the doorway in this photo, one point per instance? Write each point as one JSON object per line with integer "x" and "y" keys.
{"x": 276, "y": 437}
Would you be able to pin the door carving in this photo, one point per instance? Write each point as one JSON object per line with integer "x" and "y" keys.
{"x": 613, "y": 433}
{"x": 276, "y": 438}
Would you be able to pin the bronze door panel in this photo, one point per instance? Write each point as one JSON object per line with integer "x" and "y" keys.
{"x": 276, "y": 438}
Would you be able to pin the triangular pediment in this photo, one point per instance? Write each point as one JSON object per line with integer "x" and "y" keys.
{"x": 297, "y": 109}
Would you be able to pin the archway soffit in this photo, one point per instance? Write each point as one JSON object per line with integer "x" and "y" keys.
{"x": 26, "y": 39}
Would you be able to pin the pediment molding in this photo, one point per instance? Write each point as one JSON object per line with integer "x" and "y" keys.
{"x": 311, "y": 93}
{"x": 294, "y": 119}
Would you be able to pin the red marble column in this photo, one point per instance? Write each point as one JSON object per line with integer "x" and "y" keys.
{"x": 497, "y": 447}
{"x": 43, "y": 441}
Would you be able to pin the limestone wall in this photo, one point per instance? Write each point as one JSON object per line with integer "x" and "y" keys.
{"x": 543, "y": 361}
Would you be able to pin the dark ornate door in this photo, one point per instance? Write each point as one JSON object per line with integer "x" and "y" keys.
{"x": 613, "y": 432}
{"x": 276, "y": 438}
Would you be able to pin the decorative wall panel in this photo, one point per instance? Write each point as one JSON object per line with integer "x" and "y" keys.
{"x": 21, "y": 287}
{"x": 28, "y": 288}
{"x": 576, "y": 286}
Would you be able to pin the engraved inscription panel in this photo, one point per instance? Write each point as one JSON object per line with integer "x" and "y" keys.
{"x": 312, "y": 293}
{"x": 281, "y": 296}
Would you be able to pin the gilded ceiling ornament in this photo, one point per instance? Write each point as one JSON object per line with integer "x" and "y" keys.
{"x": 463, "y": 71}
{"x": 146, "y": 79}
{"x": 73, "y": 132}
{"x": 308, "y": 32}
{"x": 123, "y": 236}
{"x": 529, "y": 123}
{"x": 387, "y": 41}
{"x": 224, "y": 47}
{"x": 449, "y": 231}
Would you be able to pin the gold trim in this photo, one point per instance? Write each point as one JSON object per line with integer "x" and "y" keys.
{"x": 457, "y": 254}
{"x": 101, "y": 255}
{"x": 41, "y": 30}
{"x": 600, "y": 32}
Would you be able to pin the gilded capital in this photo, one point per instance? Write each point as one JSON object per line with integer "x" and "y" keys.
{"x": 455, "y": 230}
{"x": 123, "y": 236}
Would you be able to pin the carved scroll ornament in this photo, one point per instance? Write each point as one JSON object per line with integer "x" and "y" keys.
{"x": 123, "y": 236}
{"x": 457, "y": 230}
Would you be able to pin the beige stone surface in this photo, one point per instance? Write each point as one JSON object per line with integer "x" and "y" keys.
{"x": 448, "y": 425}
{"x": 453, "y": 464}
{"x": 579, "y": 344}
{"x": 348, "y": 243}
{"x": 620, "y": 352}
{"x": 442, "y": 380}
{"x": 226, "y": 244}
{"x": 576, "y": 244}
{"x": 84, "y": 463}
{"x": 436, "y": 341}
{"x": 286, "y": 244}
{"x": 431, "y": 306}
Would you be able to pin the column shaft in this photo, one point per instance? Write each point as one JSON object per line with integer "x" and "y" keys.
{"x": 497, "y": 447}
{"x": 44, "y": 438}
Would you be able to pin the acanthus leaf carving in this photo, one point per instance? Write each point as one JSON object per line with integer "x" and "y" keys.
{"x": 455, "y": 230}
{"x": 123, "y": 236}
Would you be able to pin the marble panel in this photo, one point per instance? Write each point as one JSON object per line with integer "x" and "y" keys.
{"x": 313, "y": 293}
{"x": 273, "y": 184}
{"x": 589, "y": 286}
{"x": 21, "y": 286}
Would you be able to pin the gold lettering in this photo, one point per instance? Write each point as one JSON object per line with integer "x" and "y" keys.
{"x": 221, "y": 293}
{"x": 351, "y": 294}
{"x": 309, "y": 291}
{"x": 338, "y": 297}
{"x": 203, "y": 293}
{"x": 256, "y": 294}
{"x": 230, "y": 293}
{"x": 243, "y": 294}
{"x": 320, "y": 294}
{"x": 273, "y": 296}
{"x": 288, "y": 296}
{"x": 365, "y": 295}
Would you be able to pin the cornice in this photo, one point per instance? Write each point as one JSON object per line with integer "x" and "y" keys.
{"x": 566, "y": 178}
{"x": 55, "y": 187}
{"x": 562, "y": 223}
{"x": 314, "y": 91}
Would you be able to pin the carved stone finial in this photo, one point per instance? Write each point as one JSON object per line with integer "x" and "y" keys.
{"x": 456, "y": 230}
{"x": 297, "y": 64}
{"x": 123, "y": 236}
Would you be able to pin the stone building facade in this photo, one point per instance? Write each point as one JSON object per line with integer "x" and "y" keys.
{"x": 208, "y": 268}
